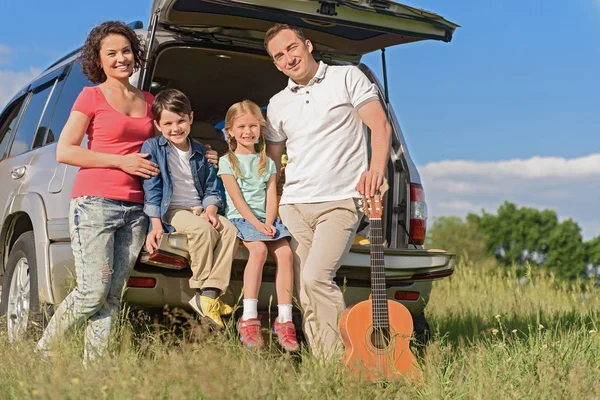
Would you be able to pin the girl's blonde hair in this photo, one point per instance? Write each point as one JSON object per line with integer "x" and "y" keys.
{"x": 235, "y": 111}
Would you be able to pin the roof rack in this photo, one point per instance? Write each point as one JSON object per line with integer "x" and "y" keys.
{"x": 136, "y": 25}
{"x": 132, "y": 25}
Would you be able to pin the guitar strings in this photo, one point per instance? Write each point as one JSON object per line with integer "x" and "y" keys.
{"x": 378, "y": 286}
{"x": 379, "y": 291}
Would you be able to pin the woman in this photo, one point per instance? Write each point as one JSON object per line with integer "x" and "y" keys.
{"x": 106, "y": 218}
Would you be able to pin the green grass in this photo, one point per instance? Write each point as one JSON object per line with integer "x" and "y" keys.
{"x": 492, "y": 338}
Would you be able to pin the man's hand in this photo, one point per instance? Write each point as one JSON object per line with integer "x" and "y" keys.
{"x": 153, "y": 239}
{"x": 211, "y": 216}
{"x": 212, "y": 156}
{"x": 369, "y": 183}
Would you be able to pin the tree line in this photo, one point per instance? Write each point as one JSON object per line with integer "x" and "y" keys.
{"x": 519, "y": 235}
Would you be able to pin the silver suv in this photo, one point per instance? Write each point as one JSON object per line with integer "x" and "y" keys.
{"x": 212, "y": 51}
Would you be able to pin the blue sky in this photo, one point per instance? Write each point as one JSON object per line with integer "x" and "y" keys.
{"x": 509, "y": 110}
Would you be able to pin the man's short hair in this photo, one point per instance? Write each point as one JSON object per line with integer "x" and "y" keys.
{"x": 275, "y": 29}
{"x": 171, "y": 100}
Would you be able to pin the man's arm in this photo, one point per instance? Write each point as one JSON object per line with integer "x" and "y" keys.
{"x": 373, "y": 115}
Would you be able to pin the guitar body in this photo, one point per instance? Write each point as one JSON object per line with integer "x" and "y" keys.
{"x": 378, "y": 355}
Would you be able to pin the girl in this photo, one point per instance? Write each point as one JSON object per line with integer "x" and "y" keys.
{"x": 106, "y": 217}
{"x": 249, "y": 179}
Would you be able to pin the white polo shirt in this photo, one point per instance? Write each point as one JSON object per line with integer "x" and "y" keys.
{"x": 324, "y": 136}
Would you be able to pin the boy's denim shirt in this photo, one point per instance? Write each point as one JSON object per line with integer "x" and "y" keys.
{"x": 158, "y": 190}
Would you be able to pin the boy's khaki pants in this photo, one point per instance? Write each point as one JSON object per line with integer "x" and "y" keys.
{"x": 211, "y": 250}
{"x": 322, "y": 234}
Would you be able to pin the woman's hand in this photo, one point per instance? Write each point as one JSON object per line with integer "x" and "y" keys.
{"x": 136, "y": 164}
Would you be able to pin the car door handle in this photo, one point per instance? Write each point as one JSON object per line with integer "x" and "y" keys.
{"x": 17, "y": 173}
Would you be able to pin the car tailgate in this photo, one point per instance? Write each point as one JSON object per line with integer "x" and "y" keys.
{"x": 341, "y": 27}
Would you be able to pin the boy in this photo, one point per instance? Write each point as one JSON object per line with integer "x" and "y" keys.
{"x": 185, "y": 198}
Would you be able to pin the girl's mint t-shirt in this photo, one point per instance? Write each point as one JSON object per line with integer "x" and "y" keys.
{"x": 252, "y": 186}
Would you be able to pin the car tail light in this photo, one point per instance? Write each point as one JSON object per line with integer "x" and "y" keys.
{"x": 164, "y": 259}
{"x": 418, "y": 214}
{"x": 139, "y": 282}
{"x": 432, "y": 275}
{"x": 411, "y": 296}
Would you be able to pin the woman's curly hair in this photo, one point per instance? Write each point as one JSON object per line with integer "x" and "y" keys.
{"x": 90, "y": 54}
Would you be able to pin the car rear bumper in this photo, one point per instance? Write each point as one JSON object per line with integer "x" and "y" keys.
{"x": 174, "y": 290}
{"x": 409, "y": 276}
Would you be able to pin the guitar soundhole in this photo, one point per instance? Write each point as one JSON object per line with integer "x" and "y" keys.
{"x": 380, "y": 338}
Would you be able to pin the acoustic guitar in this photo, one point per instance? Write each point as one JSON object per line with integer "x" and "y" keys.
{"x": 376, "y": 332}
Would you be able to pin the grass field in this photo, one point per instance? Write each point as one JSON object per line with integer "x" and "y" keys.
{"x": 492, "y": 338}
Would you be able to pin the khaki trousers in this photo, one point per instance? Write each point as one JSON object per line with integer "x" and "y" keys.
{"x": 211, "y": 250}
{"x": 322, "y": 234}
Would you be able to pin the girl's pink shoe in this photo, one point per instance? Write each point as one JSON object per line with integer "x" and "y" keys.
{"x": 286, "y": 335}
{"x": 250, "y": 333}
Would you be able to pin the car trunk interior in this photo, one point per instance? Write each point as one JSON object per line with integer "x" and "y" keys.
{"x": 214, "y": 80}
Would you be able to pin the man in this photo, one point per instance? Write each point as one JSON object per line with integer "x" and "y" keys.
{"x": 319, "y": 117}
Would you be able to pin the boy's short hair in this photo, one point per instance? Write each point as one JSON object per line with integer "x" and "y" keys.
{"x": 171, "y": 100}
{"x": 275, "y": 29}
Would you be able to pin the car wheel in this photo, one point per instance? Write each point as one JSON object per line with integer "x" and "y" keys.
{"x": 20, "y": 302}
{"x": 421, "y": 329}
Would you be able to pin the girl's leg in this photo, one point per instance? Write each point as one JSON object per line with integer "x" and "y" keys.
{"x": 284, "y": 278}
{"x": 284, "y": 327}
{"x": 249, "y": 325}
{"x": 93, "y": 223}
{"x": 129, "y": 240}
{"x": 254, "y": 267}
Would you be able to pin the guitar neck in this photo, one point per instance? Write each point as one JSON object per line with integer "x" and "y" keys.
{"x": 378, "y": 286}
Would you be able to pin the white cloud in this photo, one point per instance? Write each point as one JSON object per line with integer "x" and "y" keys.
{"x": 571, "y": 187}
{"x": 12, "y": 81}
{"x": 4, "y": 53}
{"x": 535, "y": 167}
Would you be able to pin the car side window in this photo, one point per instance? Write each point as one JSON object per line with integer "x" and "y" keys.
{"x": 73, "y": 85}
{"x": 31, "y": 117}
{"x": 8, "y": 123}
{"x": 43, "y": 127}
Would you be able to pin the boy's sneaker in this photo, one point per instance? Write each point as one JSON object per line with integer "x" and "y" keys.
{"x": 224, "y": 308}
{"x": 209, "y": 310}
{"x": 286, "y": 335}
{"x": 250, "y": 333}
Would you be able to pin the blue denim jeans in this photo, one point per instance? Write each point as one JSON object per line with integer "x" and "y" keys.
{"x": 106, "y": 238}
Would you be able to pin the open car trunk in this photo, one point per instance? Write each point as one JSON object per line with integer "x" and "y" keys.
{"x": 232, "y": 65}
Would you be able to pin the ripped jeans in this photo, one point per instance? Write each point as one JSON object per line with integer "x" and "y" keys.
{"x": 106, "y": 238}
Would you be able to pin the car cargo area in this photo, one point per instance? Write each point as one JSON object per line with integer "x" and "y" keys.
{"x": 214, "y": 80}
